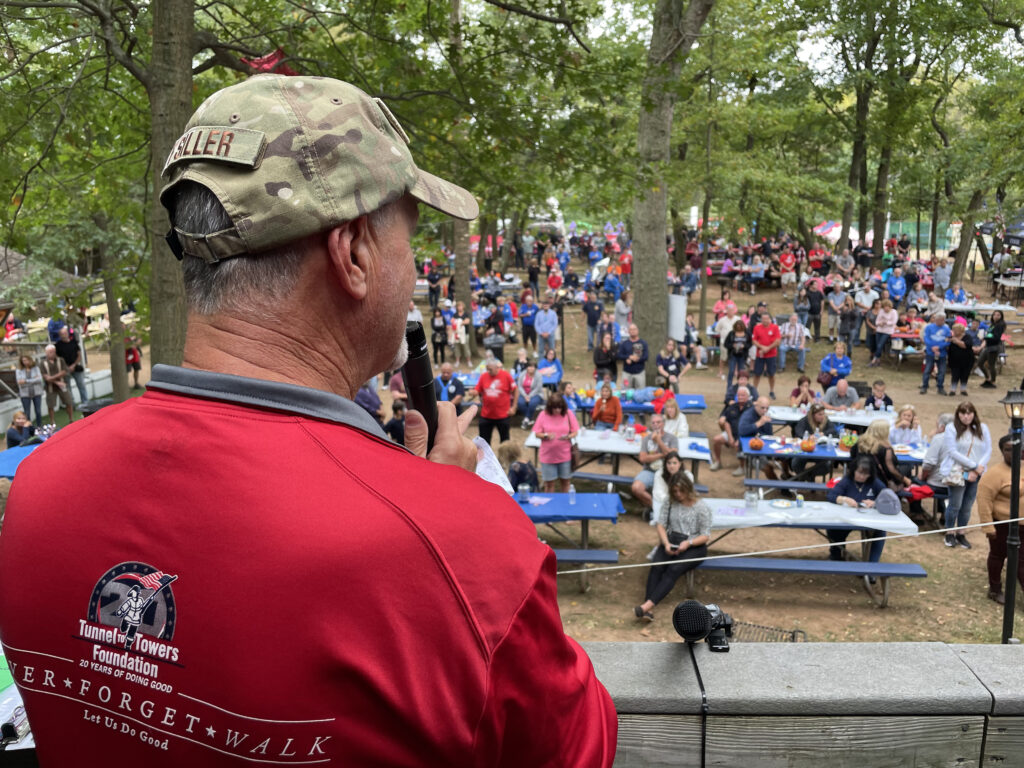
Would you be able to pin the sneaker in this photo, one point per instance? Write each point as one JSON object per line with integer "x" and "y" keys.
{"x": 526, "y": 423}
{"x": 951, "y": 394}
{"x": 950, "y": 540}
{"x": 941, "y": 391}
{"x": 924, "y": 390}
{"x": 771, "y": 395}
{"x": 962, "y": 541}
{"x": 988, "y": 385}
{"x": 997, "y": 595}
{"x": 738, "y": 472}
{"x": 700, "y": 367}
{"x": 978, "y": 372}
{"x": 715, "y": 466}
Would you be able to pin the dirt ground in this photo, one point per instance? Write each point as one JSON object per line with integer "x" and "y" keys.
{"x": 949, "y": 605}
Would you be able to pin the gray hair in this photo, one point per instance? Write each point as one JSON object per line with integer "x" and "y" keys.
{"x": 945, "y": 419}
{"x": 242, "y": 282}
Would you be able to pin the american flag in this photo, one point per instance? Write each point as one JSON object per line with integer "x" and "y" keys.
{"x": 154, "y": 580}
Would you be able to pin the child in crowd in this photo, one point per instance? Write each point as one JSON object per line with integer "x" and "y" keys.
{"x": 395, "y": 428}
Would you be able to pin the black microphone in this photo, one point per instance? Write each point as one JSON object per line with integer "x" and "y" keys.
{"x": 419, "y": 379}
{"x": 692, "y": 621}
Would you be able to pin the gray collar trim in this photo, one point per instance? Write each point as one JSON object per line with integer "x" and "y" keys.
{"x": 276, "y": 395}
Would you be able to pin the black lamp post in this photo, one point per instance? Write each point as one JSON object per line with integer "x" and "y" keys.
{"x": 1014, "y": 404}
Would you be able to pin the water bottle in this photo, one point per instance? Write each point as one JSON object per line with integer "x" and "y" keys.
{"x": 750, "y": 500}
{"x": 572, "y": 494}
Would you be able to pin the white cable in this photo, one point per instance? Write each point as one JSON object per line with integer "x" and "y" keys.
{"x": 804, "y": 547}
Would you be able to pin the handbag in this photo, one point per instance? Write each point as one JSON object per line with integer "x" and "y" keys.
{"x": 494, "y": 341}
{"x": 825, "y": 379}
{"x": 675, "y": 538}
{"x": 957, "y": 471}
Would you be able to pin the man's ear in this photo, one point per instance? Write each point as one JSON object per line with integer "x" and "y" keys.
{"x": 350, "y": 253}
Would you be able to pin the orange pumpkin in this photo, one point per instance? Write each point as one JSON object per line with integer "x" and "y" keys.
{"x": 808, "y": 445}
{"x": 756, "y": 444}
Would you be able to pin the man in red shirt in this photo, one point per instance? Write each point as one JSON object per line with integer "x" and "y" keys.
{"x": 787, "y": 264}
{"x": 766, "y": 337}
{"x": 497, "y": 392}
{"x": 246, "y": 570}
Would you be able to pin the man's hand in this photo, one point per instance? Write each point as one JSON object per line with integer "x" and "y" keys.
{"x": 451, "y": 446}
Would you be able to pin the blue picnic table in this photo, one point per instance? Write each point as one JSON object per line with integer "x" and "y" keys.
{"x": 12, "y": 457}
{"x": 687, "y": 404}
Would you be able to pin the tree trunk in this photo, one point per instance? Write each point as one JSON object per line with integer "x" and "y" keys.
{"x": 933, "y": 235}
{"x": 966, "y": 235}
{"x": 679, "y": 238}
{"x": 856, "y": 164}
{"x": 806, "y": 233}
{"x": 463, "y": 270}
{"x": 170, "y": 105}
{"x": 108, "y": 268}
{"x": 706, "y": 242}
{"x": 881, "y": 199}
{"x": 986, "y": 257}
{"x": 862, "y": 202}
{"x": 672, "y": 38}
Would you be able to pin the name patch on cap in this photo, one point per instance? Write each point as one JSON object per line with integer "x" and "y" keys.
{"x": 239, "y": 146}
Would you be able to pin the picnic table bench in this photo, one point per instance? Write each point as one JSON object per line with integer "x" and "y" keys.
{"x": 882, "y": 571}
{"x": 603, "y": 556}
{"x": 763, "y": 484}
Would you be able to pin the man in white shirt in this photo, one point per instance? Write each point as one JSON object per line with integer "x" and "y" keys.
{"x": 863, "y": 300}
{"x": 793, "y": 340}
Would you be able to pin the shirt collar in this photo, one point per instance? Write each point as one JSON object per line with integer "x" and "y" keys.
{"x": 274, "y": 395}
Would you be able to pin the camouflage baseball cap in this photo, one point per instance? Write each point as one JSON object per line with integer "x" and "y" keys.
{"x": 292, "y": 156}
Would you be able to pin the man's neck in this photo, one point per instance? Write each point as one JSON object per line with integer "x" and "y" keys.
{"x": 274, "y": 351}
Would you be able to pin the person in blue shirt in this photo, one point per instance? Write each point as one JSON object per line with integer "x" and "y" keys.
{"x": 689, "y": 281}
{"x": 756, "y": 421}
{"x": 592, "y": 309}
{"x": 550, "y": 368}
{"x": 572, "y": 399}
{"x": 527, "y": 315}
{"x": 935, "y": 339}
{"x": 859, "y": 487}
{"x": 546, "y": 323}
{"x": 838, "y": 363}
{"x": 956, "y": 294}
{"x": 609, "y": 326}
{"x": 613, "y": 286}
{"x": 897, "y": 285}
{"x": 53, "y": 329}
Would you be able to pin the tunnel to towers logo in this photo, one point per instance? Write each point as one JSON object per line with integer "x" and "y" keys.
{"x": 136, "y": 599}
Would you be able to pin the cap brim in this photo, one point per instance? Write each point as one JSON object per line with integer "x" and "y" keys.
{"x": 444, "y": 196}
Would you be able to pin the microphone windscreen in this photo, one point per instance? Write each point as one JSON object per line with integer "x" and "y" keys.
{"x": 692, "y": 621}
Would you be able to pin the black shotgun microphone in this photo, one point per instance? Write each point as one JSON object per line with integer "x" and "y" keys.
{"x": 419, "y": 379}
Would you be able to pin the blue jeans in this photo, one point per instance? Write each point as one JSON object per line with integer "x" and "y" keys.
{"x": 528, "y": 410}
{"x": 837, "y": 536}
{"x": 37, "y": 401}
{"x": 929, "y": 363}
{"x": 79, "y": 377}
{"x": 591, "y": 331}
{"x": 801, "y": 353}
{"x": 803, "y": 318}
{"x": 735, "y": 364}
{"x": 958, "y": 507}
{"x": 856, "y": 329}
{"x": 602, "y": 426}
{"x": 544, "y": 344}
{"x": 881, "y": 339}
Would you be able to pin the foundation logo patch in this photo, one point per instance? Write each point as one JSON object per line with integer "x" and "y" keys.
{"x": 136, "y": 598}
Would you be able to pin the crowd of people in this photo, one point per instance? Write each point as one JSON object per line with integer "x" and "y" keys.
{"x": 898, "y": 305}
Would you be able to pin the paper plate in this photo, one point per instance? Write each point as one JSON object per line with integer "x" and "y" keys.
{"x": 902, "y": 449}
{"x": 783, "y": 504}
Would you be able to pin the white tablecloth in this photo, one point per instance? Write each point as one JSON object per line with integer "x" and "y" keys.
{"x": 732, "y": 513}
{"x": 607, "y": 441}
{"x": 861, "y": 418}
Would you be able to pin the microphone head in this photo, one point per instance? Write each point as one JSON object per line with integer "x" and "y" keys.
{"x": 416, "y": 338}
{"x": 692, "y": 621}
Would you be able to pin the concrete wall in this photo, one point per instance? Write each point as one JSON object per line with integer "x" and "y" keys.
{"x": 814, "y": 704}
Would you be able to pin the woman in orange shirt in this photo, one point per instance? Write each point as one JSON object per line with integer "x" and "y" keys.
{"x": 607, "y": 413}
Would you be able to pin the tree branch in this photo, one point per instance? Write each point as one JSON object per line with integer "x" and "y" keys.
{"x": 990, "y": 11}
{"x": 559, "y": 20}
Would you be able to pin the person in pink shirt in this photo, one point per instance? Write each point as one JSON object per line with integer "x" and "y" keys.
{"x": 723, "y": 304}
{"x": 556, "y": 426}
{"x": 885, "y": 327}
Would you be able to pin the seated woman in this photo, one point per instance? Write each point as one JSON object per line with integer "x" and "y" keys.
{"x": 675, "y": 420}
{"x": 907, "y": 428}
{"x": 556, "y": 427}
{"x": 607, "y": 412}
{"x": 690, "y": 346}
{"x": 859, "y": 487}
{"x": 568, "y": 390}
{"x": 684, "y": 529}
{"x": 722, "y": 305}
{"x": 529, "y": 393}
{"x": 875, "y": 444}
{"x": 519, "y": 472}
{"x": 755, "y": 276}
{"x": 659, "y": 494}
{"x": 671, "y": 366}
{"x": 20, "y": 430}
{"x": 837, "y": 363}
{"x": 522, "y": 360}
{"x": 550, "y": 369}
{"x": 802, "y": 393}
{"x": 815, "y": 423}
